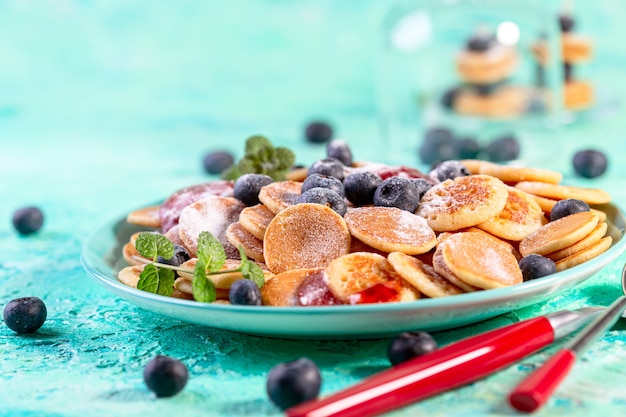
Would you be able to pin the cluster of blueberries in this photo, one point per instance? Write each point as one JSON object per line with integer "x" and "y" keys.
{"x": 441, "y": 144}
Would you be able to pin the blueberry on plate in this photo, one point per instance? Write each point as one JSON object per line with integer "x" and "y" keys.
{"x": 422, "y": 186}
{"x": 318, "y": 132}
{"x": 248, "y": 186}
{"x": 438, "y": 145}
{"x": 328, "y": 166}
{"x": 590, "y": 163}
{"x": 448, "y": 170}
{"x": 27, "y": 220}
{"x": 181, "y": 255}
{"x": 340, "y": 150}
{"x": 397, "y": 192}
{"x": 536, "y": 266}
{"x": 244, "y": 292}
{"x": 409, "y": 345}
{"x": 360, "y": 187}
{"x": 291, "y": 383}
{"x": 325, "y": 197}
{"x": 25, "y": 315}
{"x": 323, "y": 181}
{"x": 503, "y": 149}
{"x": 165, "y": 376}
{"x": 216, "y": 162}
{"x": 566, "y": 207}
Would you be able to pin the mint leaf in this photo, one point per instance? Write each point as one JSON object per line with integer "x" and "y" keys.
{"x": 156, "y": 280}
{"x": 286, "y": 158}
{"x": 257, "y": 144}
{"x": 203, "y": 288}
{"x": 152, "y": 245}
{"x": 211, "y": 252}
{"x": 253, "y": 272}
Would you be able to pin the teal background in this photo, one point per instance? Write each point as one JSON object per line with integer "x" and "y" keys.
{"x": 106, "y": 106}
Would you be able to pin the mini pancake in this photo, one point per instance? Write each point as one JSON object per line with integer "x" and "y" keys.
{"x": 463, "y": 202}
{"x": 578, "y": 95}
{"x": 422, "y": 276}
{"x": 130, "y": 275}
{"x": 584, "y": 255}
{"x": 477, "y": 260}
{"x": 514, "y": 174}
{"x": 174, "y": 237}
{"x": 305, "y": 236}
{"x": 147, "y": 216}
{"x": 520, "y": 216}
{"x": 596, "y": 234}
{"x": 297, "y": 174}
{"x": 185, "y": 286}
{"x": 559, "y": 234}
{"x": 391, "y": 229}
{"x": 547, "y": 204}
{"x": 211, "y": 214}
{"x": 281, "y": 289}
{"x": 562, "y": 192}
{"x": 252, "y": 247}
{"x": 486, "y": 67}
{"x": 129, "y": 251}
{"x": 507, "y": 101}
{"x": 442, "y": 269}
{"x": 357, "y": 246}
{"x": 279, "y": 195}
{"x": 225, "y": 280}
{"x": 255, "y": 220}
{"x": 575, "y": 48}
{"x": 472, "y": 165}
{"x": 364, "y": 277}
{"x": 507, "y": 244}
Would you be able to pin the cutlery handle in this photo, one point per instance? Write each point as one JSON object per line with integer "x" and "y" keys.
{"x": 537, "y": 387}
{"x": 451, "y": 366}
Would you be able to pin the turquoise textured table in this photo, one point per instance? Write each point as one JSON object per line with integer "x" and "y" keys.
{"x": 107, "y": 106}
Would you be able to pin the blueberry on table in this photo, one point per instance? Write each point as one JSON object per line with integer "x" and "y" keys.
{"x": 590, "y": 163}
{"x": 328, "y": 166}
{"x": 27, "y": 220}
{"x": 165, "y": 376}
{"x": 438, "y": 145}
{"x": 360, "y": 187}
{"x": 449, "y": 170}
{"x": 397, "y": 192}
{"x": 566, "y": 22}
{"x": 292, "y": 383}
{"x": 318, "y": 132}
{"x": 536, "y": 266}
{"x": 409, "y": 345}
{"x": 467, "y": 148}
{"x": 340, "y": 150}
{"x": 248, "y": 186}
{"x": 244, "y": 292}
{"x": 566, "y": 207}
{"x": 181, "y": 255}
{"x": 479, "y": 43}
{"x": 216, "y": 162}
{"x": 325, "y": 197}
{"x": 323, "y": 181}
{"x": 25, "y": 315}
{"x": 503, "y": 149}
{"x": 448, "y": 97}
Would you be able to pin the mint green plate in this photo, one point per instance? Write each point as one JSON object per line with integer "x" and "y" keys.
{"x": 102, "y": 257}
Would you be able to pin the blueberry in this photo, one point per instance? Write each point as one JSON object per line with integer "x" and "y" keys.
{"x": 467, "y": 148}
{"x": 449, "y": 170}
{"x": 325, "y": 197}
{"x": 536, "y": 266}
{"x": 568, "y": 73}
{"x": 422, "y": 186}
{"x": 566, "y": 22}
{"x": 27, "y": 220}
{"x": 502, "y": 149}
{"x": 25, "y": 315}
{"x": 165, "y": 376}
{"x": 248, "y": 186}
{"x": 323, "y": 181}
{"x": 360, "y": 187}
{"x": 244, "y": 292}
{"x": 590, "y": 163}
{"x": 292, "y": 383}
{"x": 181, "y": 255}
{"x": 487, "y": 89}
{"x": 318, "y": 132}
{"x": 408, "y": 345}
{"x": 566, "y": 207}
{"x": 479, "y": 43}
{"x": 339, "y": 150}
{"x": 328, "y": 166}
{"x": 438, "y": 145}
{"x": 397, "y": 192}
{"x": 217, "y": 161}
{"x": 448, "y": 97}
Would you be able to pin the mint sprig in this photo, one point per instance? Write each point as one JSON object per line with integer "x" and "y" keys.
{"x": 261, "y": 157}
